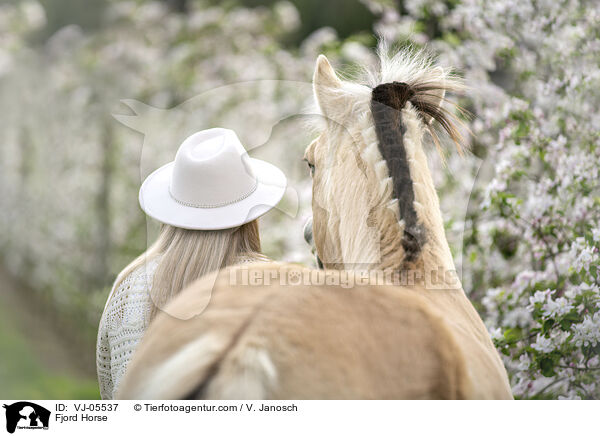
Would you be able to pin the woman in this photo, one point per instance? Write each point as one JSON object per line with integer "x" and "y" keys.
{"x": 208, "y": 201}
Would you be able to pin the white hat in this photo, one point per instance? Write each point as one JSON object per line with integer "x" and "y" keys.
{"x": 212, "y": 184}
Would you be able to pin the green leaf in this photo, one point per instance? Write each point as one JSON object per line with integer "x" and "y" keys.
{"x": 572, "y": 316}
{"x": 513, "y": 334}
{"x": 565, "y": 325}
{"x": 546, "y": 367}
{"x": 547, "y": 325}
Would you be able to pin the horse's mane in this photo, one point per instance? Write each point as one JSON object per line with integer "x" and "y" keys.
{"x": 382, "y": 114}
{"x": 426, "y": 85}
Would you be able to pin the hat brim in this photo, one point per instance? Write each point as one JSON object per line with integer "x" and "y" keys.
{"x": 157, "y": 202}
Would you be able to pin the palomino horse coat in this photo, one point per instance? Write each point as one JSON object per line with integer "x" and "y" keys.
{"x": 303, "y": 334}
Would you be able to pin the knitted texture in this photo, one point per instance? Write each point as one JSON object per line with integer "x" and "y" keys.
{"x": 122, "y": 326}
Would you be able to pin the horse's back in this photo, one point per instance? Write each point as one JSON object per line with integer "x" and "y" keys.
{"x": 298, "y": 341}
{"x": 322, "y": 342}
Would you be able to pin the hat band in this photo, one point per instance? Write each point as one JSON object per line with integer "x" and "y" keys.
{"x": 210, "y": 206}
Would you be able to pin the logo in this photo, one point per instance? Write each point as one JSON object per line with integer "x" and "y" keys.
{"x": 26, "y": 415}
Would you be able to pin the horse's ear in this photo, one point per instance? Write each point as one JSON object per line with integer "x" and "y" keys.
{"x": 438, "y": 94}
{"x": 325, "y": 75}
{"x": 327, "y": 88}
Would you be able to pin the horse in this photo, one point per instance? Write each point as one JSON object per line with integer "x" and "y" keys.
{"x": 387, "y": 318}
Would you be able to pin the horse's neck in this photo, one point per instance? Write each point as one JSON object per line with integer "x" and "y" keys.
{"x": 434, "y": 261}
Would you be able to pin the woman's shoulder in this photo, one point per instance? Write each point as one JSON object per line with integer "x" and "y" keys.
{"x": 140, "y": 275}
{"x": 134, "y": 286}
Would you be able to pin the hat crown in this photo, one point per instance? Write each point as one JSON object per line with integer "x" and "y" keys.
{"x": 211, "y": 169}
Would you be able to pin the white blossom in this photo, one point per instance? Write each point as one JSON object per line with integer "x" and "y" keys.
{"x": 543, "y": 344}
{"x": 587, "y": 332}
{"x": 557, "y": 307}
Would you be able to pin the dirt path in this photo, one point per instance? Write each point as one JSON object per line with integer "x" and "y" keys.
{"x": 37, "y": 359}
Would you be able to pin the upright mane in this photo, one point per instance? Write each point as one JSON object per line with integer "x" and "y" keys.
{"x": 424, "y": 88}
{"x": 385, "y": 114}
{"x": 411, "y": 76}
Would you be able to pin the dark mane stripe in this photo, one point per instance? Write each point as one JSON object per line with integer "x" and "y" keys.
{"x": 387, "y": 101}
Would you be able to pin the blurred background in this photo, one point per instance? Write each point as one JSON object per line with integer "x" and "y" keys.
{"x": 95, "y": 94}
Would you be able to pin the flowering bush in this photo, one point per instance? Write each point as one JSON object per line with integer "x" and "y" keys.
{"x": 532, "y": 237}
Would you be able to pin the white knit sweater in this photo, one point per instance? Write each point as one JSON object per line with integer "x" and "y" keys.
{"x": 123, "y": 323}
{"x": 122, "y": 326}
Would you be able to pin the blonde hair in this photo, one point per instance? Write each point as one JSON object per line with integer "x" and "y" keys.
{"x": 187, "y": 255}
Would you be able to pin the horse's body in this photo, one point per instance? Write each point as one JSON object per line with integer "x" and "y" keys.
{"x": 375, "y": 208}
